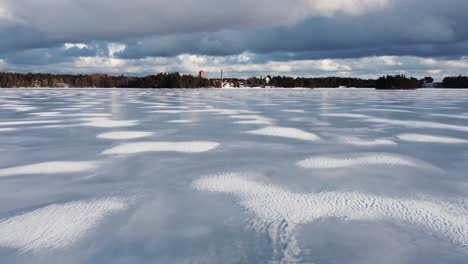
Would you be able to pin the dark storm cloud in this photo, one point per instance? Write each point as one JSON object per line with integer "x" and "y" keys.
{"x": 424, "y": 30}
{"x": 59, "y": 54}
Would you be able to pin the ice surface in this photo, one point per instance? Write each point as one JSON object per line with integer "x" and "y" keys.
{"x": 233, "y": 176}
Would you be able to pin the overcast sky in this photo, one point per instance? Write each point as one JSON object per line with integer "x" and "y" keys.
{"x": 363, "y": 38}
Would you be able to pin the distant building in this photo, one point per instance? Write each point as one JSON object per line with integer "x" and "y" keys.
{"x": 202, "y": 74}
{"x": 428, "y": 85}
{"x": 432, "y": 85}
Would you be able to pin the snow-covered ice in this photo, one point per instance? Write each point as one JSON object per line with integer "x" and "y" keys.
{"x": 233, "y": 176}
{"x": 272, "y": 204}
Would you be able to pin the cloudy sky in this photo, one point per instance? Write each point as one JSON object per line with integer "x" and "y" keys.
{"x": 365, "y": 38}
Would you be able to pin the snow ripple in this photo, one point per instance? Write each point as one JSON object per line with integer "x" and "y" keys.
{"x": 182, "y": 147}
{"x": 125, "y": 135}
{"x": 56, "y": 167}
{"x": 431, "y": 139}
{"x": 286, "y": 132}
{"x": 417, "y": 124}
{"x": 273, "y": 204}
{"x": 367, "y": 143}
{"x": 362, "y": 159}
{"x": 56, "y": 226}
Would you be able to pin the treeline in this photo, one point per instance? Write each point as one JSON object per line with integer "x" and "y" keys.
{"x": 176, "y": 80}
{"x": 328, "y": 82}
{"x": 168, "y": 80}
{"x": 455, "y": 82}
{"x": 162, "y": 80}
{"x": 398, "y": 82}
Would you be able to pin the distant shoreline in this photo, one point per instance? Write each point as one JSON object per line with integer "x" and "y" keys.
{"x": 176, "y": 80}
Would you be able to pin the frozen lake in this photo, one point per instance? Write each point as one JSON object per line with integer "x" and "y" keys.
{"x": 233, "y": 176}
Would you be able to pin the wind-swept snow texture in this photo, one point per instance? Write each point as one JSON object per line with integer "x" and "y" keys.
{"x": 271, "y": 204}
{"x": 56, "y": 226}
{"x": 143, "y": 176}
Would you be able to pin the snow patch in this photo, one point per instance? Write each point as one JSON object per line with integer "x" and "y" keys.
{"x": 57, "y": 226}
{"x": 417, "y": 124}
{"x": 299, "y": 111}
{"x": 367, "y": 143}
{"x": 361, "y": 159}
{"x": 451, "y": 116}
{"x": 125, "y": 135}
{"x": 56, "y": 167}
{"x": 18, "y": 108}
{"x": 180, "y": 121}
{"x": 108, "y": 123}
{"x": 286, "y": 132}
{"x": 431, "y": 139}
{"x": 182, "y": 147}
{"x": 252, "y": 119}
{"x": 46, "y": 114}
{"x": 7, "y": 129}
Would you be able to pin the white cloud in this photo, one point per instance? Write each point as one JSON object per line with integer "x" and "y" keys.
{"x": 245, "y": 65}
{"x": 354, "y": 7}
{"x": 3, "y": 64}
{"x": 5, "y": 14}
{"x": 75, "y": 45}
{"x": 115, "y": 48}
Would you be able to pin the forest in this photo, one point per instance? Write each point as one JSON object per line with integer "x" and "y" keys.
{"x": 455, "y": 82}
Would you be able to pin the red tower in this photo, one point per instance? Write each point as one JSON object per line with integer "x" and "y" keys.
{"x": 202, "y": 74}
